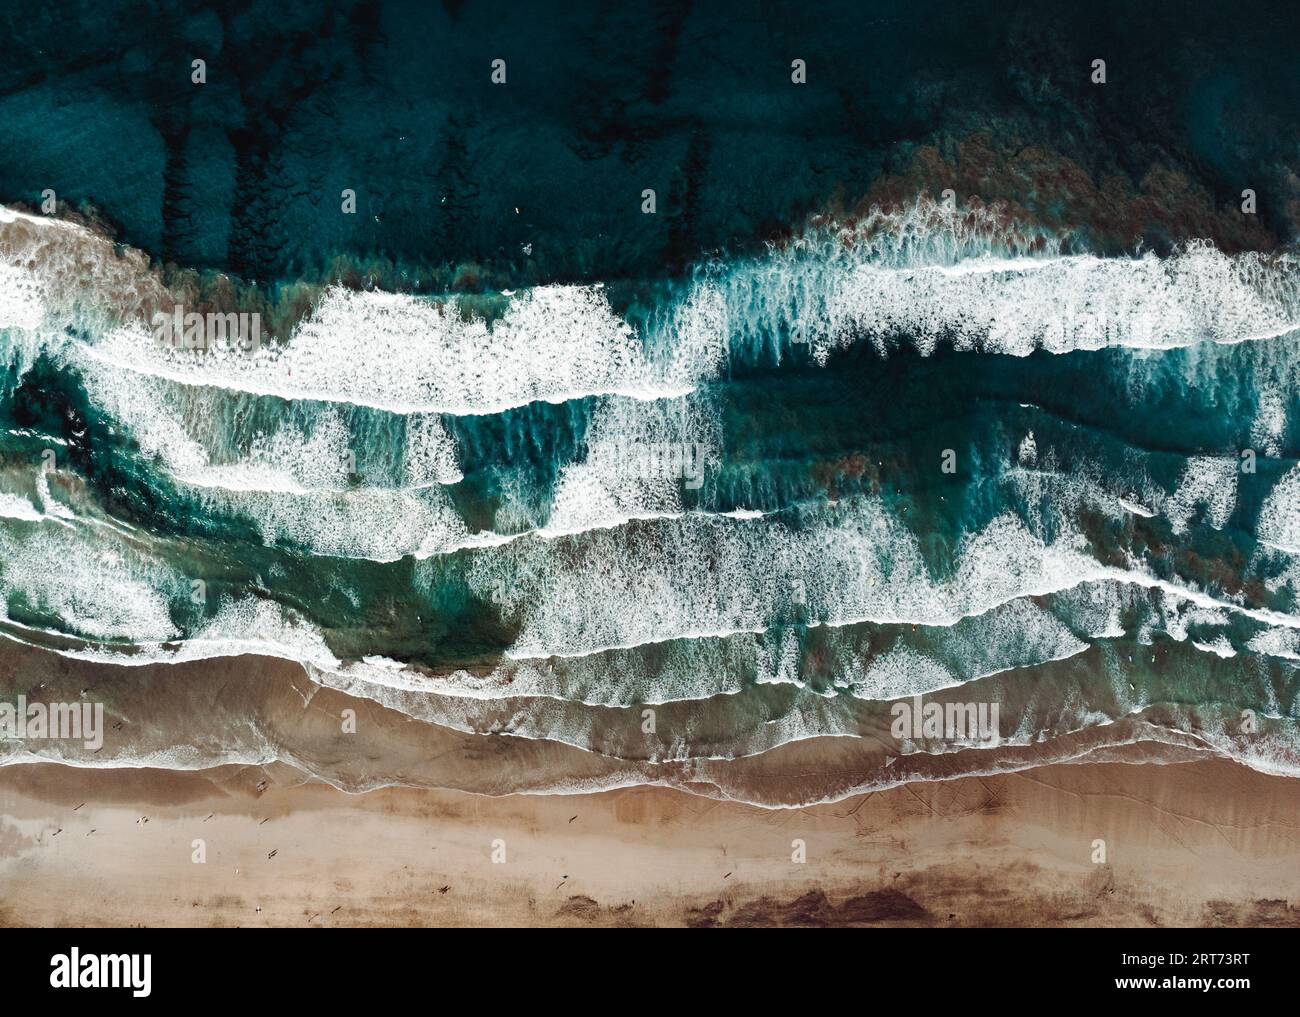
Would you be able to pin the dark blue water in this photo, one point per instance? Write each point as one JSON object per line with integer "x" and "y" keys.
{"x": 454, "y": 175}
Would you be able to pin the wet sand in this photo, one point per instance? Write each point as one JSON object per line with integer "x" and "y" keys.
{"x": 1201, "y": 843}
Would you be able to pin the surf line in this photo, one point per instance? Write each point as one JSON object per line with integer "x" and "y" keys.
{"x": 967, "y": 722}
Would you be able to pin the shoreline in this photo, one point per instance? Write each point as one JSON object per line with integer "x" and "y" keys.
{"x": 258, "y": 711}
{"x": 1187, "y": 844}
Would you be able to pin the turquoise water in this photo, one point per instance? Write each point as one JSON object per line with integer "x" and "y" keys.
{"x": 767, "y": 463}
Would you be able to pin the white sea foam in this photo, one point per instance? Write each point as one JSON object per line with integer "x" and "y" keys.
{"x": 1206, "y": 481}
{"x": 1268, "y": 430}
{"x": 411, "y": 354}
{"x": 1012, "y": 636}
{"x": 1028, "y": 451}
{"x": 249, "y": 626}
{"x": 924, "y": 272}
{"x": 1276, "y": 643}
{"x": 13, "y": 506}
{"x": 899, "y": 673}
{"x": 22, "y": 298}
{"x": 296, "y": 485}
{"x": 253, "y": 626}
{"x": 699, "y": 576}
{"x": 1279, "y": 518}
{"x": 1221, "y": 647}
{"x": 100, "y": 591}
{"x": 430, "y": 453}
{"x": 1137, "y": 510}
{"x": 373, "y": 523}
{"x": 626, "y": 473}
{"x": 704, "y": 575}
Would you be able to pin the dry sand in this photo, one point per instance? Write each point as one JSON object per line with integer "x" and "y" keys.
{"x": 1200, "y": 843}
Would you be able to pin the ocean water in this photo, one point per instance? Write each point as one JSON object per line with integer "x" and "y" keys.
{"x": 678, "y": 498}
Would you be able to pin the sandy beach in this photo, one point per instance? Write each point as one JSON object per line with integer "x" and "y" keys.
{"x": 1203, "y": 844}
